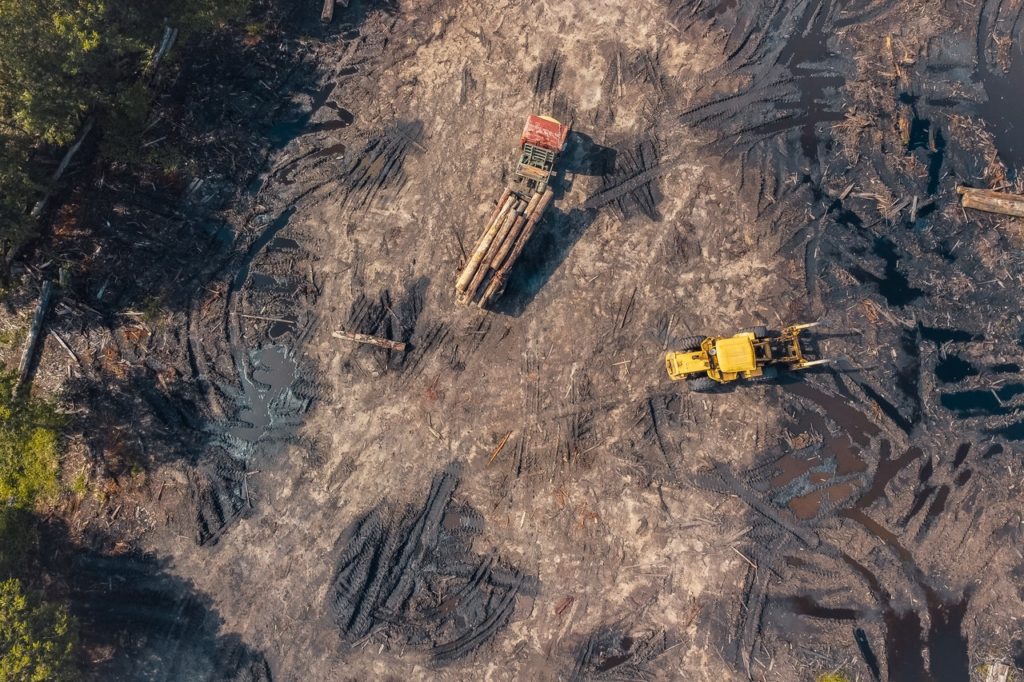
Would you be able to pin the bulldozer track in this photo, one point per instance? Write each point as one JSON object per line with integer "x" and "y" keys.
{"x": 388, "y": 556}
{"x": 629, "y": 186}
{"x": 545, "y": 77}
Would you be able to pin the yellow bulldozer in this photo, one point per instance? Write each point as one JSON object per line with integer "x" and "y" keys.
{"x": 753, "y": 354}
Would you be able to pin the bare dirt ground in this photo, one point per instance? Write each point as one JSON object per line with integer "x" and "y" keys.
{"x": 311, "y": 510}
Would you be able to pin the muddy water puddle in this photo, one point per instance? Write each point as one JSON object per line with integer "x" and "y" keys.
{"x": 811, "y": 480}
{"x": 856, "y": 424}
{"x": 1002, "y": 110}
{"x": 266, "y": 396}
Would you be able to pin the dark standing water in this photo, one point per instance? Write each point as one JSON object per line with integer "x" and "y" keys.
{"x": 806, "y": 53}
{"x": 947, "y": 645}
{"x": 953, "y": 368}
{"x": 980, "y": 402}
{"x": 280, "y": 328}
{"x": 893, "y": 285}
{"x": 940, "y": 335}
{"x": 865, "y": 650}
{"x": 1014, "y": 431}
{"x": 273, "y": 374}
{"x": 1002, "y": 112}
{"x": 806, "y": 606}
{"x": 928, "y": 138}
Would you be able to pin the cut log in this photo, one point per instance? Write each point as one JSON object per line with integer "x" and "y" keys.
{"x": 396, "y": 346}
{"x": 511, "y": 219}
{"x": 992, "y": 202}
{"x": 497, "y": 284}
{"x": 502, "y": 249}
{"x": 481, "y": 247}
{"x": 328, "y": 12}
{"x": 24, "y": 369}
{"x": 497, "y": 207}
{"x": 506, "y": 246}
{"x": 40, "y": 206}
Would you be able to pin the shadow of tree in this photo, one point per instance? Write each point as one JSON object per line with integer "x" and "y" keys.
{"x": 154, "y": 263}
{"x": 137, "y": 620}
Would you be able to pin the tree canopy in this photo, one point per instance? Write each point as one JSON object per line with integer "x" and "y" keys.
{"x": 37, "y": 639}
{"x": 28, "y": 447}
{"x": 63, "y": 59}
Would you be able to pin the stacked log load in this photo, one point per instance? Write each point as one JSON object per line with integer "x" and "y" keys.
{"x": 510, "y": 225}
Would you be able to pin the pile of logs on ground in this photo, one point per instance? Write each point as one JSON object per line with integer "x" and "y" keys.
{"x": 509, "y": 227}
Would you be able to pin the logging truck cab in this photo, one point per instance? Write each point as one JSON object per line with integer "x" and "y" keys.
{"x": 753, "y": 354}
{"x": 543, "y": 139}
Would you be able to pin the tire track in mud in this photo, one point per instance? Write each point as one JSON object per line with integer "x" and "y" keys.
{"x": 620, "y": 651}
{"x": 409, "y": 574}
{"x": 630, "y": 184}
{"x": 920, "y": 587}
{"x": 272, "y": 294}
{"x": 790, "y": 69}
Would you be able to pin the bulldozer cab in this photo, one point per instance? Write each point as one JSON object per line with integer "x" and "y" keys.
{"x": 735, "y": 354}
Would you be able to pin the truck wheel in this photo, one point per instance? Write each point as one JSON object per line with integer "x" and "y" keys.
{"x": 759, "y": 332}
{"x": 690, "y": 344}
{"x": 770, "y": 373}
{"x": 701, "y": 384}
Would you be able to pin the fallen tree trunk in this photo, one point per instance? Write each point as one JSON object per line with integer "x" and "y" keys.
{"x": 24, "y": 368}
{"x": 166, "y": 43}
{"x": 396, "y": 346}
{"x": 40, "y": 206}
{"x": 328, "y": 12}
{"x": 992, "y": 202}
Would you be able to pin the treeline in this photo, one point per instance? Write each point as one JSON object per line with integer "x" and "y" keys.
{"x": 62, "y": 61}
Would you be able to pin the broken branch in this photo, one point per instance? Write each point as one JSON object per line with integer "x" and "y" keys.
{"x": 501, "y": 446}
{"x": 38, "y": 318}
{"x": 396, "y": 346}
